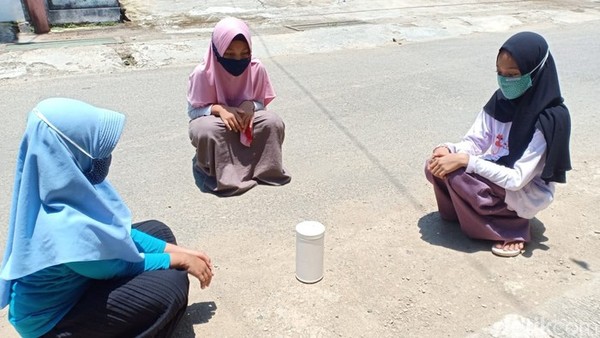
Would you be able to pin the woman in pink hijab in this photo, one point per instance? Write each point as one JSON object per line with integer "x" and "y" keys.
{"x": 238, "y": 142}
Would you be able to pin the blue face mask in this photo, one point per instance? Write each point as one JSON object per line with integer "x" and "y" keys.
{"x": 99, "y": 169}
{"x": 232, "y": 66}
{"x": 514, "y": 87}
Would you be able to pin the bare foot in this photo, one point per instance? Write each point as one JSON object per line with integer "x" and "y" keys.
{"x": 508, "y": 249}
{"x": 511, "y": 246}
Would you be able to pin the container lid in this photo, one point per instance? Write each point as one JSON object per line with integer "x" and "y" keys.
{"x": 310, "y": 229}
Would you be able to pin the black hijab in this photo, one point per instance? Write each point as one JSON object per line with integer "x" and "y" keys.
{"x": 541, "y": 107}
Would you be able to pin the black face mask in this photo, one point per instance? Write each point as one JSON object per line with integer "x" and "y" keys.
{"x": 232, "y": 66}
{"x": 99, "y": 170}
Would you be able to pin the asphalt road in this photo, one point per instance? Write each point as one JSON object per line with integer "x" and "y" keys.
{"x": 360, "y": 123}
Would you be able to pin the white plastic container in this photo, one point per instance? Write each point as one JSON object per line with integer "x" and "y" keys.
{"x": 310, "y": 245}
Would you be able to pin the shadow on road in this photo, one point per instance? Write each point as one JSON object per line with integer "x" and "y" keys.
{"x": 437, "y": 231}
{"x": 197, "y": 313}
{"x": 537, "y": 238}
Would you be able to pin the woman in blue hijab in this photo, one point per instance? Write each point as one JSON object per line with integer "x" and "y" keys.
{"x": 504, "y": 170}
{"x": 73, "y": 264}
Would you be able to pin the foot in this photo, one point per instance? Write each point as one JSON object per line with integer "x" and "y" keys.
{"x": 508, "y": 249}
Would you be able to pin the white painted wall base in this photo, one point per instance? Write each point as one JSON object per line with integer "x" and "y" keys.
{"x": 82, "y": 15}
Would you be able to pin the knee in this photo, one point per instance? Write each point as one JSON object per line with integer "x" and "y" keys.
{"x": 151, "y": 224}
{"x": 194, "y": 130}
{"x": 458, "y": 175}
{"x": 428, "y": 174}
{"x": 272, "y": 121}
{"x": 156, "y": 229}
{"x": 179, "y": 287}
{"x": 205, "y": 126}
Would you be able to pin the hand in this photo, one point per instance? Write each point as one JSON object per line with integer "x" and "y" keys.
{"x": 440, "y": 151}
{"x": 231, "y": 117}
{"x": 247, "y": 115}
{"x": 194, "y": 265}
{"x": 170, "y": 248}
{"x": 246, "y": 120}
{"x": 442, "y": 165}
{"x": 195, "y": 262}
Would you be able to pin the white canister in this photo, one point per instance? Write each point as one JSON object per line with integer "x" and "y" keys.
{"x": 310, "y": 240}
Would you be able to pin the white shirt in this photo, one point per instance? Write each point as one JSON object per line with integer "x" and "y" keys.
{"x": 526, "y": 192}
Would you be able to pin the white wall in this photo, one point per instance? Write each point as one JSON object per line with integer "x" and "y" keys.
{"x": 11, "y": 10}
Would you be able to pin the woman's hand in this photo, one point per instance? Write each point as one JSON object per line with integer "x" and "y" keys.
{"x": 195, "y": 262}
{"x": 440, "y": 151}
{"x": 194, "y": 265}
{"x": 231, "y": 116}
{"x": 170, "y": 248}
{"x": 248, "y": 114}
{"x": 442, "y": 165}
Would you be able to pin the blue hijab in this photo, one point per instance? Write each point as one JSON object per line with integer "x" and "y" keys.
{"x": 541, "y": 107}
{"x": 57, "y": 216}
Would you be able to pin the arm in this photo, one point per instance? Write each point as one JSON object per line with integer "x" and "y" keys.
{"x": 194, "y": 262}
{"x": 201, "y": 92}
{"x": 112, "y": 268}
{"x": 147, "y": 243}
{"x": 477, "y": 140}
{"x": 249, "y": 107}
{"x": 159, "y": 255}
{"x": 194, "y": 265}
{"x": 525, "y": 169}
{"x": 195, "y": 112}
{"x": 448, "y": 157}
{"x": 231, "y": 116}
{"x": 154, "y": 259}
{"x": 236, "y": 118}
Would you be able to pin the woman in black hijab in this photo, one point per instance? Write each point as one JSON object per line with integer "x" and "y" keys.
{"x": 504, "y": 170}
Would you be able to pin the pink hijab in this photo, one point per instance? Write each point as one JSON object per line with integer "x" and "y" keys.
{"x": 210, "y": 83}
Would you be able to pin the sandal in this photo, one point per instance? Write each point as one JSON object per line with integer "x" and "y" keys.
{"x": 505, "y": 252}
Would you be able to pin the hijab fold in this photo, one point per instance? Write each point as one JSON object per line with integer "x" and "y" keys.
{"x": 57, "y": 216}
{"x": 541, "y": 107}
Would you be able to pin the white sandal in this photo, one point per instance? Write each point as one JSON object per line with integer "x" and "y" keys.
{"x": 506, "y": 253}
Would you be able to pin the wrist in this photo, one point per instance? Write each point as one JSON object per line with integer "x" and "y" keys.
{"x": 465, "y": 159}
{"x": 216, "y": 109}
{"x": 178, "y": 261}
{"x": 171, "y": 248}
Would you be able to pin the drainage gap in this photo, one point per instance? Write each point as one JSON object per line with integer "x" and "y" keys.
{"x": 303, "y": 27}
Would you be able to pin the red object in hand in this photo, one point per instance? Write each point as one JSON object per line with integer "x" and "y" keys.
{"x": 247, "y": 135}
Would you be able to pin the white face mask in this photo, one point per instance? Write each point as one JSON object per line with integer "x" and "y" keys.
{"x": 99, "y": 169}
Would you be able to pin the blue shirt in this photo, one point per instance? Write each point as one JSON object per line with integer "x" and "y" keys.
{"x": 40, "y": 300}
